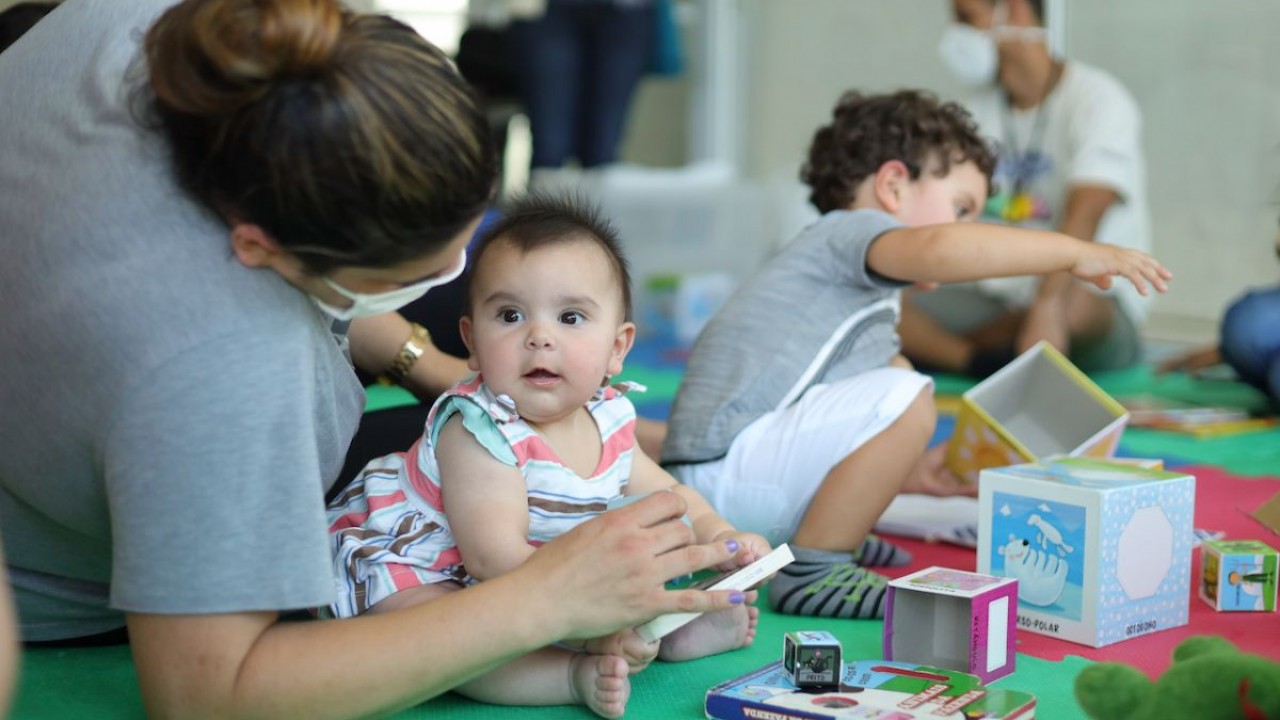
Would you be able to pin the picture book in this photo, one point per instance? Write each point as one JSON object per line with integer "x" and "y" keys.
{"x": 868, "y": 690}
{"x": 1201, "y": 421}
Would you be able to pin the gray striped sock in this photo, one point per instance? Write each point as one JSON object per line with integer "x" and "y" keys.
{"x": 875, "y": 551}
{"x": 827, "y": 584}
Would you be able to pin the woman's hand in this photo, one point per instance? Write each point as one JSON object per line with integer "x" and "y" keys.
{"x": 610, "y": 572}
{"x": 751, "y": 547}
{"x": 1099, "y": 263}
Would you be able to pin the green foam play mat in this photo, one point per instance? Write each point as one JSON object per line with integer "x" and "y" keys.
{"x": 61, "y": 684}
{"x": 101, "y": 683}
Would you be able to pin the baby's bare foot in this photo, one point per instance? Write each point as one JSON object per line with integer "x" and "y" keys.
{"x": 600, "y": 682}
{"x": 711, "y": 634}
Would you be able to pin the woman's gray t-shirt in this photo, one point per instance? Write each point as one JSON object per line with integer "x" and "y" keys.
{"x": 169, "y": 419}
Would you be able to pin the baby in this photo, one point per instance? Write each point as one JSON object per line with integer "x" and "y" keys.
{"x": 536, "y": 442}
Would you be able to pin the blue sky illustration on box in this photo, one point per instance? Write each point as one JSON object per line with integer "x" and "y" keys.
{"x": 1041, "y": 543}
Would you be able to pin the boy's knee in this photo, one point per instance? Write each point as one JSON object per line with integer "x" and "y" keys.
{"x": 921, "y": 416}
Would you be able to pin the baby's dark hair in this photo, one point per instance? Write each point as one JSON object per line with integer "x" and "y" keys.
{"x": 539, "y": 219}
{"x": 867, "y": 131}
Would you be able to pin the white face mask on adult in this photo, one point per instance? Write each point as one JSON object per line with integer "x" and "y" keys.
{"x": 972, "y": 54}
{"x": 369, "y": 304}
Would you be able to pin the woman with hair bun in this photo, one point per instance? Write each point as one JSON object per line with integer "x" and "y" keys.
{"x": 209, "y": 209}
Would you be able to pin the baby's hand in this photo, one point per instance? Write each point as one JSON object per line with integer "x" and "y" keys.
{"x": 1100, "y": 262}
{"x": 751, "y": 547}
{"x": 628, "y": 645}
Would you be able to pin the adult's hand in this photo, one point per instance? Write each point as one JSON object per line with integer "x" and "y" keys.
{"x": 1192, "y": 361}
{"x": 610, "y": 573}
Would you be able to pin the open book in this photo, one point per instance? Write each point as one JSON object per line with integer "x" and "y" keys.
{"x": 744, "y": 578}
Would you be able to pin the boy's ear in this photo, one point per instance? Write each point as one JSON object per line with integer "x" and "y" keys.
{"x": 890, "y": 183}
{"x": 622, "y": 343}
{"x": 464, "y": 329}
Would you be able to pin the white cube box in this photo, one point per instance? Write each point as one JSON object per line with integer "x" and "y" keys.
{"x": 952, "y": 619}
{"x": 1101, "y": 550}
{"x": 1239, "y": 575}
{"x": 1038, "y": 406}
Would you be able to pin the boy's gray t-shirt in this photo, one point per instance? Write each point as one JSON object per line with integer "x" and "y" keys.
{"x": 815, "y": 313}
{"x": 169, "y": 419}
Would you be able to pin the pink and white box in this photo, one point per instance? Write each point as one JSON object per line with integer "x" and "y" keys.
{"x": 952, "y": 619}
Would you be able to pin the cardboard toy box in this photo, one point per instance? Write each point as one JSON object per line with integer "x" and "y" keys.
{"x": 953, "y": 619}
{"x": 1037, "y": 406}
{"x": 867, "y": 689}
{"x": 1101, "y": 550}
{"x": 1238, "y": 575}
{"x": 812, "y": 658}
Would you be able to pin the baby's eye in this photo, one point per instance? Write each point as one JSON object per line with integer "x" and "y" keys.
{"x": 572, "y": 317}
{"x": 510, "y": 315}
{"x": 964, "y": 212}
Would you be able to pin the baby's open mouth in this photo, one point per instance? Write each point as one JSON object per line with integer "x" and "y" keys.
{"x": 541, "y": 375}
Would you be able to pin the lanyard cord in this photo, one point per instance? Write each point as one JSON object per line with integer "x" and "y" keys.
{"x": 1022, "y": 171}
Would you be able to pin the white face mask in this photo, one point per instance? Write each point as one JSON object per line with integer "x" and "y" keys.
{"x": 369, "y": 304}
{"x": 970, "y": 54}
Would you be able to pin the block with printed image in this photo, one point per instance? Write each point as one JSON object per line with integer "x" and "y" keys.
{"x": 1238, "y": 575}
{"x": 1101, "y": 550}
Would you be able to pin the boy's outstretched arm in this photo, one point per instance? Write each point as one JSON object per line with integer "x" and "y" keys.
{"x": 960, "y": 252}
{"x": 1048, "y": 315}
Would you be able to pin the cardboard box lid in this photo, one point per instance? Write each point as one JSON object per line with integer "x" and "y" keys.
{"x": 1091, "y": 473}
{"x": 948, "y": 581}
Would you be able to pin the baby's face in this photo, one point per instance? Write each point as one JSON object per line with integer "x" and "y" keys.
{"x": 546, "y": 327}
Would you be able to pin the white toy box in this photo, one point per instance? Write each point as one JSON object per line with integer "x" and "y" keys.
{"x": 1238, "y": 575}
{"x": 953, "y": 619}
{"x": 1101, "y": 550}
{"x": 812, "y": 658}
{"x": 1038, "y": 406}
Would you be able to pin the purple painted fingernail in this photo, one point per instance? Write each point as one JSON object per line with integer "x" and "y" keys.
{"x": 732, "y": 545}
{"x": 737, "y": 597}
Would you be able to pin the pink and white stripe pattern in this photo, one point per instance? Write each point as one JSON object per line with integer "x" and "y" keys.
{"x": 388, "y": 529}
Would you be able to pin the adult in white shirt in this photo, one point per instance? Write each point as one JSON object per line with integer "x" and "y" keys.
{"x": 1068, "y": 138}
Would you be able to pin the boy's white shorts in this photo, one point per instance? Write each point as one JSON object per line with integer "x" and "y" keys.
{"x": 775, "y": 465}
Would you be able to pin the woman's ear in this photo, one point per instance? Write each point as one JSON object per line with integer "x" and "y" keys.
{"x": 253, "y": 247}
{"x": 889, "y": 183}
{"x": 622, "y": 343}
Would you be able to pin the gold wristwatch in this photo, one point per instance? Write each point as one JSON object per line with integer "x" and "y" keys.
{"x": 419, "y": 340}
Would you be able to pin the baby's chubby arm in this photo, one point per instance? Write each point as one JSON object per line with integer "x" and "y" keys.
{"x": 960, "y": 252}
{"x": 485, "y": 501}
{"x": 647, "y": 476}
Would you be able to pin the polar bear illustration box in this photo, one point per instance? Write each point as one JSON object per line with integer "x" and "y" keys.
{"x": 1101, "y": 549}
